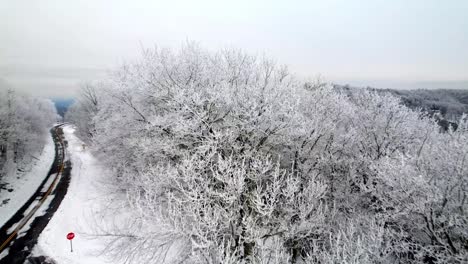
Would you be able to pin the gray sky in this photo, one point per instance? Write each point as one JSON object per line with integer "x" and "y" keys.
{"x": 47, "y": 47}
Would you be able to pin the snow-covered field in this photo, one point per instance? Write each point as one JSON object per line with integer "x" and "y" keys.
{"x": 89, "y": 208}
{"x": 24, "y": 184}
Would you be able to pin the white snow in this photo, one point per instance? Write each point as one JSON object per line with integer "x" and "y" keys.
{"x": 90, "y": 205}
{"x": 48, "y": 182}
{"x": 4, "y": 253}
{"x": 94, "y": 209}
{"x": 25, "y": 184}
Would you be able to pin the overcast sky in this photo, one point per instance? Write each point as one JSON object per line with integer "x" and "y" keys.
{"x": 48, "y": 47}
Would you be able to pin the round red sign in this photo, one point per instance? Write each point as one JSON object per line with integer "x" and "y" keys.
{"x": 70, "y": 235}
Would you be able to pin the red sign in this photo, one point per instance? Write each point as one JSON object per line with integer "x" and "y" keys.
{"x": 70, "y": 236}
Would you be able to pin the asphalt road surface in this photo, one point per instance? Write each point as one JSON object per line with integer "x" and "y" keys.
{"x": 14, "y": 237}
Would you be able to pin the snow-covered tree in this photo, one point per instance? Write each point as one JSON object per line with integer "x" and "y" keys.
{"x": 24, "y": 125}
{"x": 84, "y": 109}
{"x": 237, "y": 161}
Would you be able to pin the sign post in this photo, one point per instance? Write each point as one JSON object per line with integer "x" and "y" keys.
{"x": 70, "y": 237}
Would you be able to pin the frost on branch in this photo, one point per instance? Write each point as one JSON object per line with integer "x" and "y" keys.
{"x": 24, "y": 126}
{"x": 233, "y": 160}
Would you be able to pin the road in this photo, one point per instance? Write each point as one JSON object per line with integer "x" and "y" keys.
{"x": 19, "y": 235}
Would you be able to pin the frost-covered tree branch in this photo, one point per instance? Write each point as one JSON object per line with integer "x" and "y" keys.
{"x": 240, "y": 162}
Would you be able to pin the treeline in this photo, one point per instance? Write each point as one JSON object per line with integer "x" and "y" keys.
{"x": 233, "y": 160}
{"x": 445, "y": 105}
{"x": 24, "y": 124}
{"x": 450, "y": 103}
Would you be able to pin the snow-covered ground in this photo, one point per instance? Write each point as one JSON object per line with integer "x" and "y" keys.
{"x": 99, "y": 215}
{"x": 24, "y": 184}
{"x": 90, "y": 208}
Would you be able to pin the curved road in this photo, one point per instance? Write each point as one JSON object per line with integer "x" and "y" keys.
{"x": 16, "y": 238}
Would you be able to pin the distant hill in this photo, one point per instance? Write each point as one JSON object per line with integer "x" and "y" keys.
{"x": 62, "y": 105}
{"x": 450, "y": 103}
{"x": 447, "y": 105}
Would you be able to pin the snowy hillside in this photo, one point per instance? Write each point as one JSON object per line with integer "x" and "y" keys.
{"x": 18, "y": 187}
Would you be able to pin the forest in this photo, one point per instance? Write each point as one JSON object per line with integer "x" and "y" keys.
{"x": 446, "y": 106}
{"x": 235, "y": 160}
{"x": 24, "y": 125}
{"x": 450, "y": 103}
